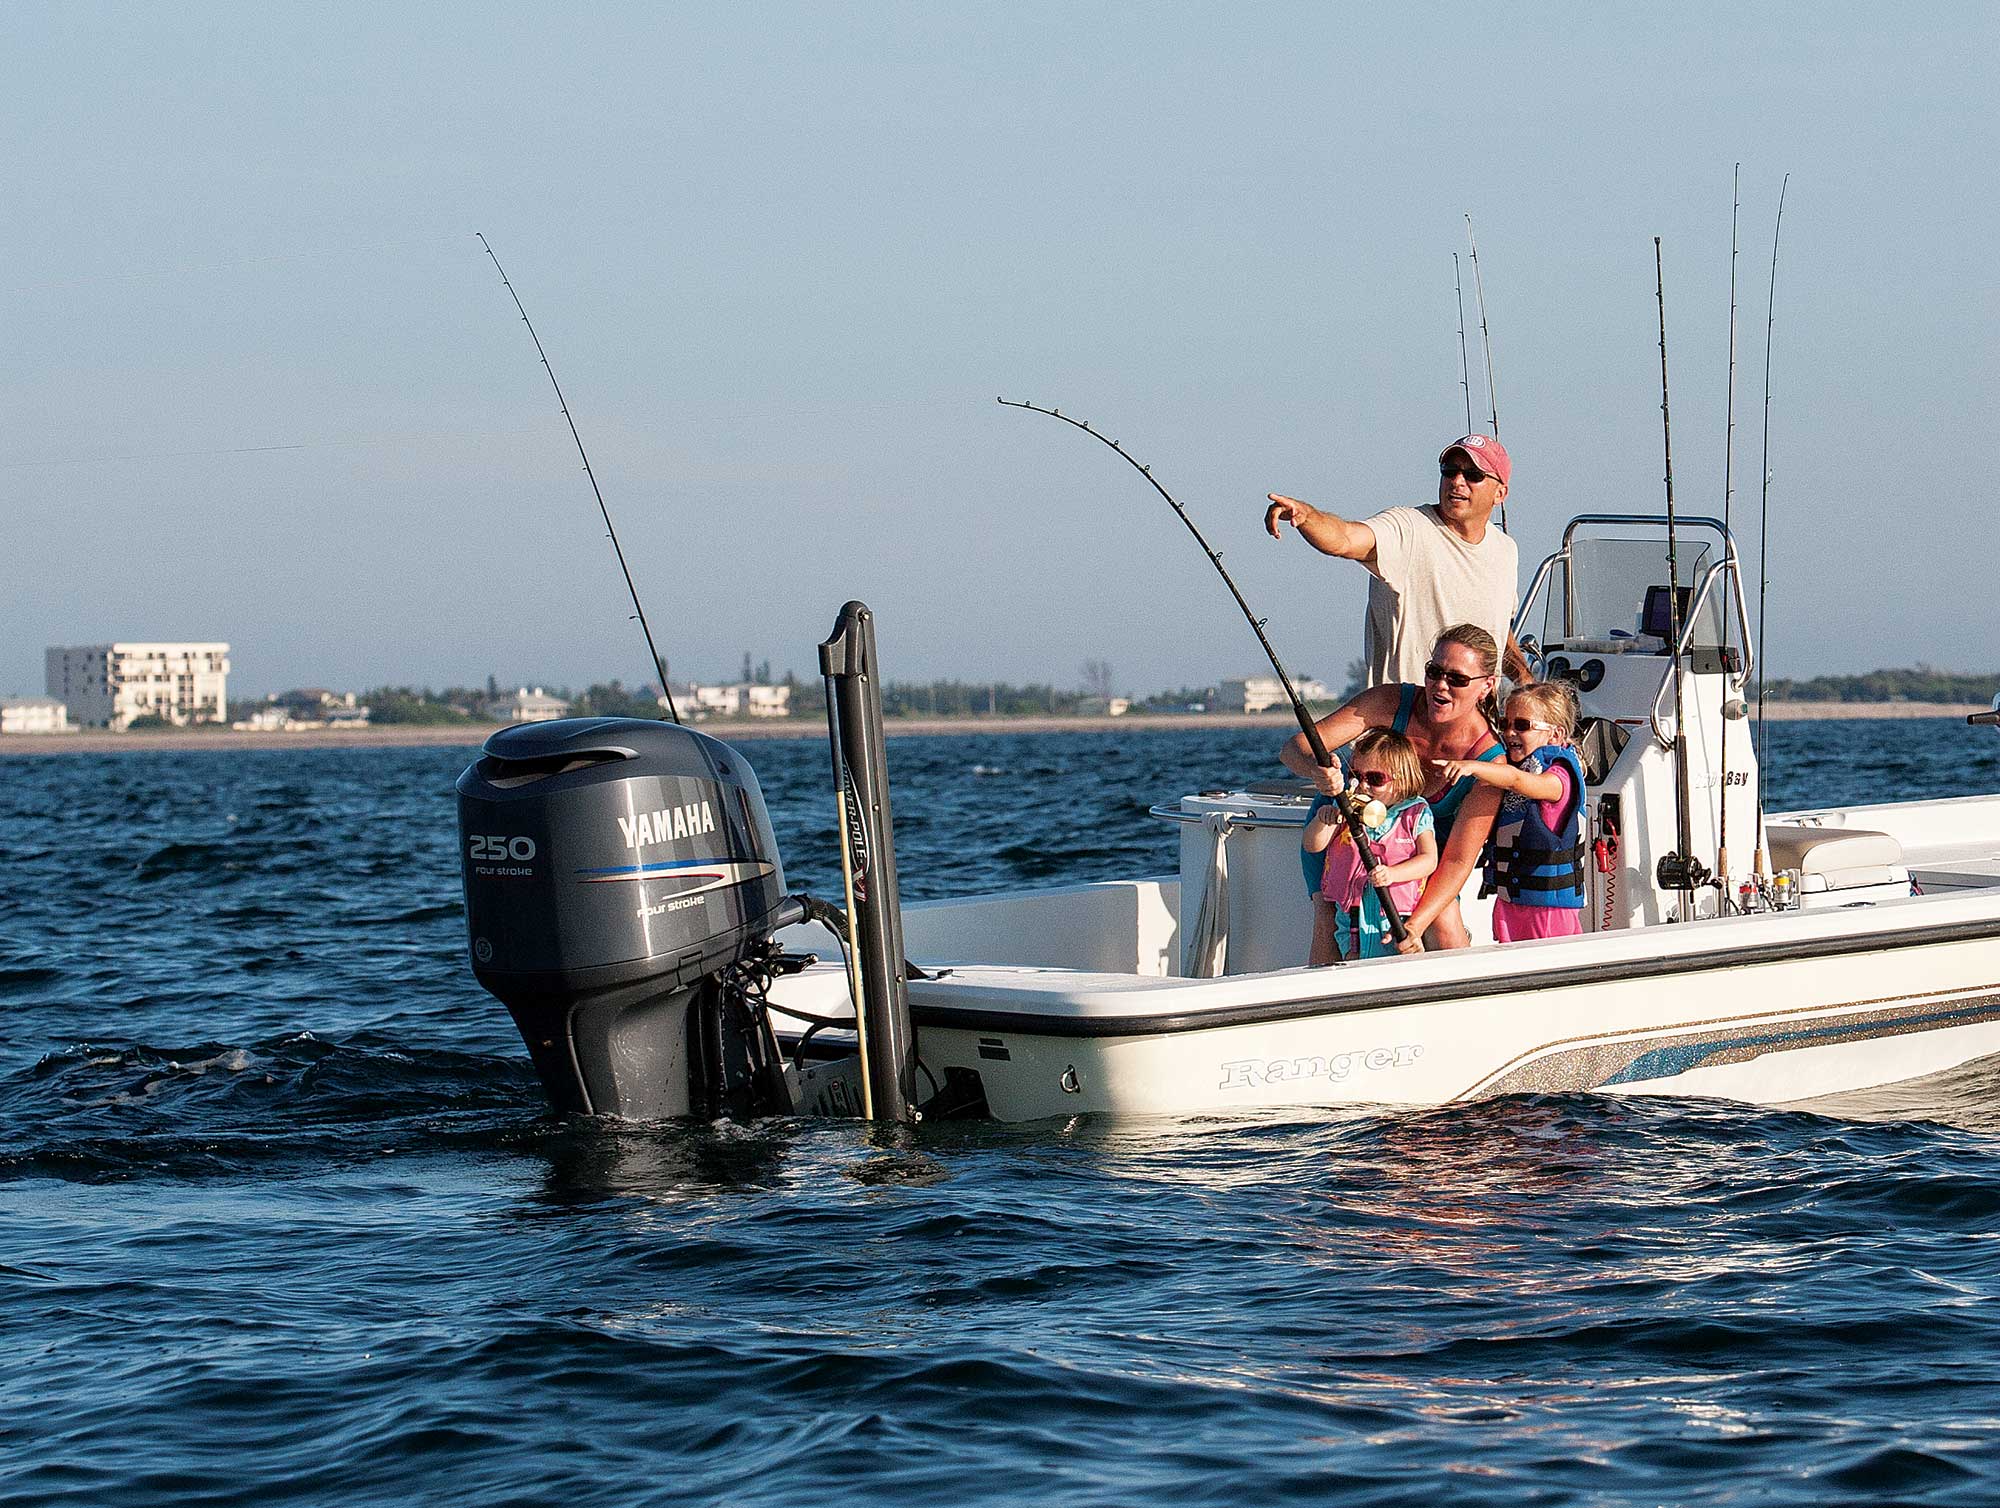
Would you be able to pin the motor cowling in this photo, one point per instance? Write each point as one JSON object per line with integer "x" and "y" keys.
{"x": 615, "y": 871}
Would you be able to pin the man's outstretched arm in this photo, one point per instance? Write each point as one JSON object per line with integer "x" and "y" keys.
{"x": 1327, "y": 533}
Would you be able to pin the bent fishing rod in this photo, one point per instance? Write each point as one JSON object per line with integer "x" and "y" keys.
{"x": 659, "y": 665}
{"x": 1307, "y": 726}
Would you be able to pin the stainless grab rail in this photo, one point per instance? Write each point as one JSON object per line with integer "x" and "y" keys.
{"x": 1236, "y": 819}
{"x": 1725, "y": 566}
{"x": 1535, "y": 591}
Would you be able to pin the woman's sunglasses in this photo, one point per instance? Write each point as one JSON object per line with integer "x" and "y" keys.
{"x": 1436, "y": 672}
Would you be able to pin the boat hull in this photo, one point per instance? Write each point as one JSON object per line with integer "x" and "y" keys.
{"x": 1771, "y": 1010}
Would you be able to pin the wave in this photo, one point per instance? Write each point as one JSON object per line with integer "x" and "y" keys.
{"x": 97, "y": 1110}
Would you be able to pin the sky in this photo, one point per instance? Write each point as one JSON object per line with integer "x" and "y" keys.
{"x": 259, "y": 382}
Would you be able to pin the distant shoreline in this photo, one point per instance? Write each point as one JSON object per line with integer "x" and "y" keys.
{"x": 417, "y": 736}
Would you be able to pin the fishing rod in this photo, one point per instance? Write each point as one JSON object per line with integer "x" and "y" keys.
{"x": 1321, "y": 756}
{"x": 1764, "y": 526}
{"x": 1683, "y": 874}
{"x": 1729, "y": 540}
{"x": 659, "y": 665}
{"x": 1464, "y": 369}
{"x": 1486, "y": 342}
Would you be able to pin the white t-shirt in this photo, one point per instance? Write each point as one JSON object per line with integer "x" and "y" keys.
{"x": 1427, "y": 579}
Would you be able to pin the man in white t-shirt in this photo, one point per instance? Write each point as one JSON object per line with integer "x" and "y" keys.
{"x": 1433, "y": 566}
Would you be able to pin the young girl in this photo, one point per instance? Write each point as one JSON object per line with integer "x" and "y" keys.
{"x": 1347, "y": 916}
{"x": 1535, "y": 860}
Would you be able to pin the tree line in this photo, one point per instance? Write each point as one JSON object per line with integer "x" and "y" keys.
{"x": 959, "y": 698}
{"x": 941, "y": 698}
{"x": 1925, "y": 683}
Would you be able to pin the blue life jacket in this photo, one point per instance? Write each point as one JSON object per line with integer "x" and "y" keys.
{"x": 1444, "y": 809}
{"x": 1531, "y": 862}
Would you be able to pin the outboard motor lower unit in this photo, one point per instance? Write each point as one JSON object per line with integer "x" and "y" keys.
{"x": 621, "y": 885}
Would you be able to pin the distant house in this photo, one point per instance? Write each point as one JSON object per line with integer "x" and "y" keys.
{"x": 307, "y": 707}
{"x": 526, "y": 706}
{"x": 33, "y": 714}
{"x": 769, "y": 701}
{"x": 1103, "y": 706}
{"x": 735, "y": 700}
{"x": 1260, "y": 693}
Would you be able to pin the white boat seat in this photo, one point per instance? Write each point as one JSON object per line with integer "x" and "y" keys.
{"x": 1845, "y": 856}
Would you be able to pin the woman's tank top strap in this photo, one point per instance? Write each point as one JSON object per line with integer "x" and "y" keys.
{"x": 1405, "y": 705}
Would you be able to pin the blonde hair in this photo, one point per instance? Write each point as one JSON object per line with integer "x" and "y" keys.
{"x": 1555, "y": 701}
{"x": 1398, "y": 756}
{"x": 1471, "y": 636}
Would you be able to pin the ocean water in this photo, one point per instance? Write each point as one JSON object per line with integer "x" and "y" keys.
{"x": 282, "y": 1219}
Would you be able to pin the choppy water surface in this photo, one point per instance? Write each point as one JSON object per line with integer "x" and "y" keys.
{"x": 282, "y": 1220}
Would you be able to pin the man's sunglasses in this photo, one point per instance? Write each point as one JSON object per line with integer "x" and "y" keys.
{"x": 1446, "y": 471}
{"x": 1436, "y": 672}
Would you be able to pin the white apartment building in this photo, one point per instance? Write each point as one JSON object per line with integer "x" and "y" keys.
{"x": 108, "y": 685}
{"x": 1260, "y": 693}
{"x": 33, "y": 714}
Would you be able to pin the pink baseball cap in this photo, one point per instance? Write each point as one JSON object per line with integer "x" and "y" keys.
{"x": 1487, "y": 453}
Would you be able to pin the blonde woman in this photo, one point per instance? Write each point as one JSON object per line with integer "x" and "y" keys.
{"x": 1449, "y": 718}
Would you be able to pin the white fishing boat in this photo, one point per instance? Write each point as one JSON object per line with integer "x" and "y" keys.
{"x": 1868, "y": 953}
{"x": 1188, "y": 993}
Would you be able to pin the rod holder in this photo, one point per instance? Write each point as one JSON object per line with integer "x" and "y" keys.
{"x": 877, "y": 972}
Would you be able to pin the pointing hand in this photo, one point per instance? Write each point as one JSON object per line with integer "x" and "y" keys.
{"x": 1284, "y": 510}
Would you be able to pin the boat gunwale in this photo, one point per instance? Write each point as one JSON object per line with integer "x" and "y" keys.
{"x": 1390, "y": 997}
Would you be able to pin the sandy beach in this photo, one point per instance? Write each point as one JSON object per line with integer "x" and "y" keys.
{"x": 96, "y": 741}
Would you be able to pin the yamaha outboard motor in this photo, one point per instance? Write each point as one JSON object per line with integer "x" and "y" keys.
{"x": 621, "y": 887}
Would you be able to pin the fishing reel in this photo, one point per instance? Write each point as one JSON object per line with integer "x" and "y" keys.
{"x": 1682, "y": 872}
{"x": 1361, "y": 806}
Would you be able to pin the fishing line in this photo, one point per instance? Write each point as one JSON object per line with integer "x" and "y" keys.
{"x": 226, "y": 264}
{"x": 1486, "y": 341}
{"x": 1307, "y": 726}
{"x": 1764, "y": 523}
{"x": 154, "y": 455}
{"x": 659, "y": 665}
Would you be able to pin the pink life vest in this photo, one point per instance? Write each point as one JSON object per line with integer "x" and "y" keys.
{"x": 1344, "y": 881}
